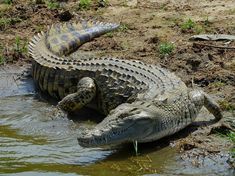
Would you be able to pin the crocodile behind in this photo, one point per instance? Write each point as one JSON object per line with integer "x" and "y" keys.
{"x": 127, "y": 91}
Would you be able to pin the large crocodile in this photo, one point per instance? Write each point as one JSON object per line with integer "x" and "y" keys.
{"x": 141, "y": 102}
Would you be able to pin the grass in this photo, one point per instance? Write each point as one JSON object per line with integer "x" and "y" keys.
{"x": 9, "y": 2}
{"x": 230, "y": 135}
{"x": 84, "y": 4}
{"x": 187, "y": 25}
{"x": 109, "y": 34}
{"x": 217, "y": 84}
{"x": 4, "y": 22}
{"x": 17, "y": 51}
{"x": 166, "y": 48}
{"x": 225, "y": 105}
{"x": 20, "y": 46}
{"x": 52, "y": 5}
{"x": 2, "y": 60}
{"x": 192, "y": 27}
{"x": 123, "y": 27}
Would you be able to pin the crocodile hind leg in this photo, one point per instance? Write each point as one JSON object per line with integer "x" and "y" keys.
{"x": 86, "y": 91}
{"x": 201, "y": 98}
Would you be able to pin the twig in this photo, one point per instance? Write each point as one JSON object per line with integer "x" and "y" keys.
{"x": 213, "y": 46}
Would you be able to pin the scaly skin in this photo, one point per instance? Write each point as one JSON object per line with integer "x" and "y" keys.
{"x": 146, "y": 121}
{"x": 142, "y": 102}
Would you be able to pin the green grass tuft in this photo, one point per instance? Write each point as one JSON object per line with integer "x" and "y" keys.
{"x": 9, "y": 2}
{"x": 166, "y": 48}
{"x": 2, "y": 60}
{"x": 20, "y": 46}
{"x": 230, "y": 135}
{"x": 123, "y": 27}
{"x": 4, "y": 22}
{"x": 227, "y": 106}
{"x": 189, "y": 24}
{"x": 52, "y": 5}
{"x": 84, "y": 4}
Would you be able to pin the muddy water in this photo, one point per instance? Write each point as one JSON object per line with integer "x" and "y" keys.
{"x": 34, "y": 143}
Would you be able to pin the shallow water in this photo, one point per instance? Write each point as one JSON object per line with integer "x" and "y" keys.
{"x": 33, "y": 142}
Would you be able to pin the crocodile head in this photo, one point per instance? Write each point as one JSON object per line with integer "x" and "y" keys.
{"x": 126, "y": 123}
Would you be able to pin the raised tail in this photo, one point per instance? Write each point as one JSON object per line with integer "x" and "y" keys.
{"x": 63, "y": 39}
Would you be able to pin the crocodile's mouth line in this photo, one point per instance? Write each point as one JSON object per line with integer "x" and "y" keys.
{"x": 103, "y": 139}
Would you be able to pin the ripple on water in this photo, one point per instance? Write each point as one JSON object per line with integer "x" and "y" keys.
{"x": 29, "y": 135}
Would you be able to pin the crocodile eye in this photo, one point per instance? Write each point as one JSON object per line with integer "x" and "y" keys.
{"x": 71, "y": 105}
{"x": 134, "y": 109}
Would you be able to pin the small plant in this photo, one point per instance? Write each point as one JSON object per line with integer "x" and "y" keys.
{"x": 84, "y": 4}
{"x": 8, "y": 2}
{"x": 52, "y": 5}
{"x": 166, "y": 48}
{"x": 2, "y": 60}
{"x": 109, "y": 34}
{"x": 217, "y": 84}
{"x": 225, "y": 105}
{"x": 230, "y": 135}
{"x": 4, "y": 22}
{"x": 19, "y": 46}
{"x": 123, "y": 27}
{"x": 189, "y": 24}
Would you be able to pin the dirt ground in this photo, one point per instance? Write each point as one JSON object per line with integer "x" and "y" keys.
{"x": 145, "y": 25}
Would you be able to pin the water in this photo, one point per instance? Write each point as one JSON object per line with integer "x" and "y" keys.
{"x": 33, "y": 142}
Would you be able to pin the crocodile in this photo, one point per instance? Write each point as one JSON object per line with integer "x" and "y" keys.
{"x": 141, "y": 102}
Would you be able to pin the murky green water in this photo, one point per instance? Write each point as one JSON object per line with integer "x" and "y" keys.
{"x": 33, "y": 143}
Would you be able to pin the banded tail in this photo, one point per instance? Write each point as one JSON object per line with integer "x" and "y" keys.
{"x": 63, "y": 39}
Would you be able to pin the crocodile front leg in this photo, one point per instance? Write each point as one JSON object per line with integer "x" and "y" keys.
{"x": 86, "y": 91}
{"x": 201, "y": 98}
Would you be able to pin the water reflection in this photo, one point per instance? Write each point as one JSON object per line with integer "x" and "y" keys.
{"x": 28, "y": 135}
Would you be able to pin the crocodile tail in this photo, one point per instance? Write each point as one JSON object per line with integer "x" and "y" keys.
{"x": 63, "y": 39}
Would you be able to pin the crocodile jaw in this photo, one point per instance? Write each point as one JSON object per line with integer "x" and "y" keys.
{"x": 125, "y": 124}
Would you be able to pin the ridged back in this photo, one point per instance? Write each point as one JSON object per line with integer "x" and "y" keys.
{"x": 116, "y": 78}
